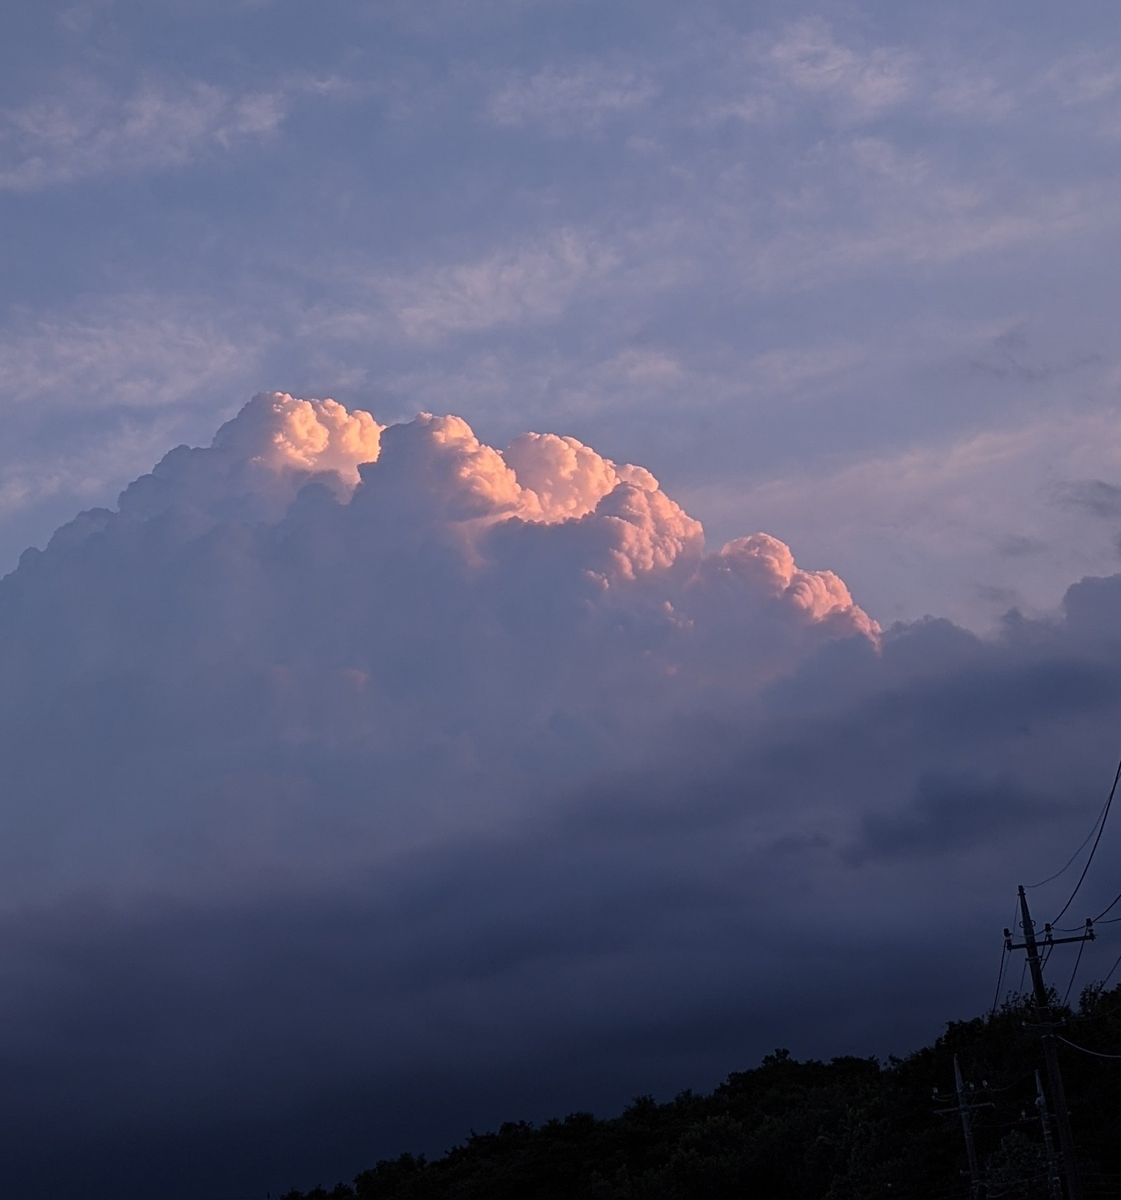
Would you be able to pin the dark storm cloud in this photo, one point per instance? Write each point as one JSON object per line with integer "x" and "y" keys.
{"x": 1018, "y": 546}
{"x": 329, "y": 1026}
{"x": 341, "y": 816}
{"x": 949, "y": 814}
{"x": 1094, "y": 496}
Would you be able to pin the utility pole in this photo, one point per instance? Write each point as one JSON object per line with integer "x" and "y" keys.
{"x": 964, "y": 1108}
{"x": 967, "y": 1130}
{"x": 1054, "y": 1181}
{"x": 1050, "y": 1054}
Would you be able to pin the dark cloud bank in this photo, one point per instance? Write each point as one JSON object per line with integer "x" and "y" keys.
{"x": 345, "y": 810}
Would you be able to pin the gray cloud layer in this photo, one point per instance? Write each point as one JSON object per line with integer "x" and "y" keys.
{"x": 363, "y": 784}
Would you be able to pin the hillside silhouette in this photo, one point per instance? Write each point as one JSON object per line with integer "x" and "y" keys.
{"x": 847, "y": 1129}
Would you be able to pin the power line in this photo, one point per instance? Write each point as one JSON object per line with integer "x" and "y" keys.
{"x": 1116, "y": 899}
{"x": 1017, "y": 1082}
{"x": 999, "y": 977}
{"x": 1081, "y": 947}
{"x": 1111, "y": 970}
{"x": 1003, "y": 964}
{"x": 1066, "y": 866}
{"x": 1093, "y": 849}
{"x": 1074, "y": 1046}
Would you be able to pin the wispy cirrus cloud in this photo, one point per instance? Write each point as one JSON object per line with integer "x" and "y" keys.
{"x": 971, "y": 94}
{"x": 528, "y": 282}
{"x": 867, "y": 80}
{"x": 84, "y": 471}
{"x": 522, "y": 285}
{"x": 812, "y": 62}
{"x": 808, "y": 61}
{"x": 137, "y": 351}
{"x": 93, "y": 390}
{"x": 900, "y": 209}
{"x": 1086, "y": 77}
{"x": 571, "y": 99}
{"x": 91, "y": 131}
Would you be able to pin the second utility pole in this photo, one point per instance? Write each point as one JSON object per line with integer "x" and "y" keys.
{"x": 964, "y": 1109}
{"x": 967, "y": 1129}
{"x": 1050, "y": 1055}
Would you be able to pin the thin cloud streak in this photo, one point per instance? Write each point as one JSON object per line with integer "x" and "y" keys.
{"x": 89, "y": 132}
{"x": 569, "y": 100}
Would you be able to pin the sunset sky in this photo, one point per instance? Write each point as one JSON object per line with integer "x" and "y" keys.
{"x": 643, "y": 587}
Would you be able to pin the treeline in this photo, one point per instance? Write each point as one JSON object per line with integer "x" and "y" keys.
{"x": 849, "y": 1129}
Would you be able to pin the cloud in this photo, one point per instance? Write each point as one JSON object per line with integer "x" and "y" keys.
{"x": 526, "y": 284}
{"x": 1092, "y": 495}
{"x": 258, "y": 462}
{"x": 950, "y": 815}
{"x": 89, "y": 131}
{"x": 414, "y": 755}
{"x": 137, "y": 350}
{"x": 568, "y": 100}
{"x": 970, "y": 94}
{"x": 1031, "y": 536}
{"x": 806, "y": 60}
{"x": 447, "y": 563}
{"x": 1083, "y": 77}
{"x": 97, "y": 388}
{"x": 811, "y": 59}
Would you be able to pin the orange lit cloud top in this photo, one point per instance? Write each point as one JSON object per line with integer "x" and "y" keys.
{"x": 604, "y": 523}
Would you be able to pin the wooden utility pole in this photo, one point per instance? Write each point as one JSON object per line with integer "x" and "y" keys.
{"x": 967, "y": 1129}
{"x": 1054, "y": 1180}
{"x": 1050, "y": 1054}
{"x": 964, "y": 1108}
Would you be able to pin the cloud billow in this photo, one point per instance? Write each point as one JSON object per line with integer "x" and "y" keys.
{"x": 347, "y": 765}
{"x": 317, "y": 586}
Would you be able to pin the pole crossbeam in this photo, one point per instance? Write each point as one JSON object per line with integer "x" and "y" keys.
{"x": 1083, "y": 937}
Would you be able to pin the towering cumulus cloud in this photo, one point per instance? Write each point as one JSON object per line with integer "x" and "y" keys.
{"x": 325, "y": 625}
{"x": 407, "y": 588}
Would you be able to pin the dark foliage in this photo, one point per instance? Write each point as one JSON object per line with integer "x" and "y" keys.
{"x": 849, "y": 1129}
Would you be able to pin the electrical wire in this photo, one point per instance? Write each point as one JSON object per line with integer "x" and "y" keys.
{"x": 1066, "y": 996}
{"x": 1017, "y": 1082}
{"x": 1094, "y": 848}
{"x": 1111, "y": 970}
{"x": 999, "y": 977}
{"x": 1004, "y": 959}
{"x": 1116, "y": 900}
{"x": 1075, "y": 1046}
{"x": 1066, "y": 866}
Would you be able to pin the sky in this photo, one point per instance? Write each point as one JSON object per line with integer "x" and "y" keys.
{"x": 640, "y": 590}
